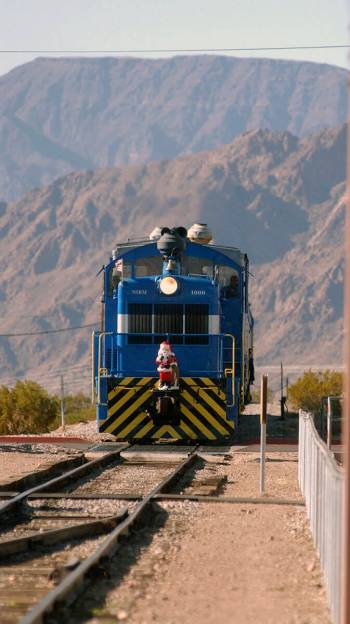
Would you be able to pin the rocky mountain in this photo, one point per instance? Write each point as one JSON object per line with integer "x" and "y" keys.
{"x": 62, "y": 115}
{"x": 278, "y": 197}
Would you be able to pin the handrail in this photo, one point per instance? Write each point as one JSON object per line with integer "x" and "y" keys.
{"x": 101, "y": 335}
{"x": 232, "y": 369}
{"x": 243, "y": 360}
{"x": 92, "y": 368}
{"x": 153, "y": 373}
{"x": 159, "y": 333}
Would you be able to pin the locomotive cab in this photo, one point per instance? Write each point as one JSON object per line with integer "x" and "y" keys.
{"x": 191, "y": 297}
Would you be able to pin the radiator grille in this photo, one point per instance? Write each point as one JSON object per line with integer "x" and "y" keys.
{"x": 196, "y": 322}
{"x": 140, "y": 322}
{"x": 169, "y": 319}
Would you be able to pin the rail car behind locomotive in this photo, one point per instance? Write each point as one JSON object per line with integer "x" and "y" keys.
{"x": 179, "y": 291}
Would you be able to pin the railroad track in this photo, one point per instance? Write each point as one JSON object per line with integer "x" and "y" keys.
{"x": 58, "y": 533}
{"x": 51, "y": 541}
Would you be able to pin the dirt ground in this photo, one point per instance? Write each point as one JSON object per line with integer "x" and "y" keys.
{"x": 218, "y": 563}
{"x": 210, "y": 562}
{"x": 249, "y": 426}
{"x": 15, "y": 464}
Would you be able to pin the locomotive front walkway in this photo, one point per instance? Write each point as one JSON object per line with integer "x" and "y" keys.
{"x": 223, "y": 563}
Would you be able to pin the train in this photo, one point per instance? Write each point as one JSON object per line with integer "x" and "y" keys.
{"x": 173, "y": 359}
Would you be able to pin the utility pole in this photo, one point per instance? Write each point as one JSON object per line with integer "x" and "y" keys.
{"x": 283, "y": 398}
{"x": 263, "y": 410}
{"x": 62, "y": 404}
{"x": 345, "y": 585}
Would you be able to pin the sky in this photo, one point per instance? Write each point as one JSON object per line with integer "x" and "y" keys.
{"x": 58, "y": 25}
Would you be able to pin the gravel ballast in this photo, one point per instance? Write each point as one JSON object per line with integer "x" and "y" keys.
{"x": 218, "y": 563}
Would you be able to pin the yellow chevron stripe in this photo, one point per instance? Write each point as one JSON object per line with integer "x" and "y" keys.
{"x": 198, "y": 423}
{"x": 165, "y": 429}
{"x": 193, "y": 382}
{"x": 187, "y": 432}
{"x": 185, "y": 428}
{"x": 174, "y": 433}
{"x": 205, "y": 396}
{"x": 218, "y": 409}
{"x": 119, "y": 388}
{"x": 143, "y": 432}
{"x": 141, "y": 399}
{"x": 229, "y": 423}
{"x": 127, "y": 396}
{"x": 209, "y": 382}
{"x": 134, "y": 423}
{"x": 199, "y": 408}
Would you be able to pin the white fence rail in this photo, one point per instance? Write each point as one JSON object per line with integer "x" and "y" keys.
{"x": 321, "y": 482}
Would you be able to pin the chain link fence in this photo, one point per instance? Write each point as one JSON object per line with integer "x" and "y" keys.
{"x": 321, "y": 482}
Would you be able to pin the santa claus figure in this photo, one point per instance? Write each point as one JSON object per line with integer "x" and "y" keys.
{"x": 167, "y": 366}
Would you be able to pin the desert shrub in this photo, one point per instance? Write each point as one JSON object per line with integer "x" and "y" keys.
{"x": 307, "y": 392}
{"x": 26, "y": 408}
{"x": 77, "y": 408}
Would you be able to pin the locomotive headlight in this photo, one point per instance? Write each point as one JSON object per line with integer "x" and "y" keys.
{"x": 168, "y": 285}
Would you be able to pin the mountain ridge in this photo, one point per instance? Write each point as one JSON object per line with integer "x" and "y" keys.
{"x": 60, "y": 115}
{"x": 257, "y": 193}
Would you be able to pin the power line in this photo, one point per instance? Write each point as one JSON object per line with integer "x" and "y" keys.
{"x": 47, "y": 375}
{"x": 50, "y": 377}
{"x": 48, "y": 383}
{"x": 49, "y": 331}
{"x": 180, "y": 50}
{"x": 35, "y": 316}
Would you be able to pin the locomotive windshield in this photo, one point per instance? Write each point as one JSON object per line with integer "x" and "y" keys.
{"x": 144, "y": 267}
{"x": 191, "y": 265}
{"x": 153, "y": 265}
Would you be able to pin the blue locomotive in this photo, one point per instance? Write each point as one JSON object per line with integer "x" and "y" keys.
{"x": 174, "y": 355}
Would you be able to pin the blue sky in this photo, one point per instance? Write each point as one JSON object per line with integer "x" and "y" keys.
{"x": 136, "y": 24}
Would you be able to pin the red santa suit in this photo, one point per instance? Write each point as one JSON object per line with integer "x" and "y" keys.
{"x": 167, "y": 365}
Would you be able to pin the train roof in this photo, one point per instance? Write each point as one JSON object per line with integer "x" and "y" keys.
{"x": 233, "y": 253}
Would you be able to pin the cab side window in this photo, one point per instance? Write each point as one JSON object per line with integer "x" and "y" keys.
{"x": 228, "y": 282}
{"x": 121, "y": 270}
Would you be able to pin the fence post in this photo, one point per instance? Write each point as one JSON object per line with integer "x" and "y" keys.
{"x": 263, "y": 405}
{"x": 283, "y": 397}
{"x": 329, "y": 422}
{"x": 62, "y": 405}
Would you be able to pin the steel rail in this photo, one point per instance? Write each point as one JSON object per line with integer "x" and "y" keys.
{"x": 52, "y": 536}
{"x": 73, "y": 583}
{"x": 232, "y": 500}
{"x": 61, "y": 480}
{"x": 200, "y": 498}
